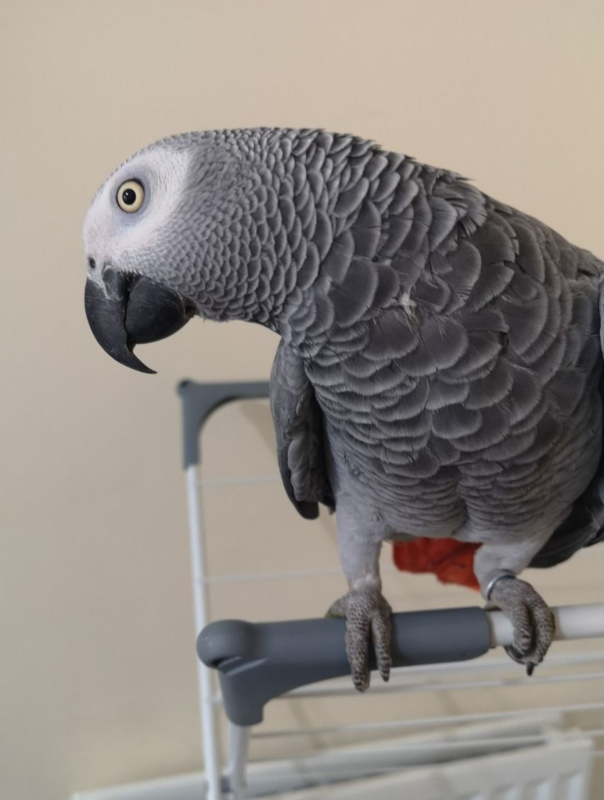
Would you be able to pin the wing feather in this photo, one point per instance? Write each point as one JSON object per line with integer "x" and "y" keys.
{"x": 301, "y": 444}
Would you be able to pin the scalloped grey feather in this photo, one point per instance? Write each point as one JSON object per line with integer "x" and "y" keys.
{"x": 440, "y": 358}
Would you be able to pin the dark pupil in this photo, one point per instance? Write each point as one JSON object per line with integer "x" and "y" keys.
{"x": 129, "y": 197}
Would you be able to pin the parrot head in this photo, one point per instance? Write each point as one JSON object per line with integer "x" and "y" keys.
{"x": 155, "y": 241}
{"x": 238, "y": 224}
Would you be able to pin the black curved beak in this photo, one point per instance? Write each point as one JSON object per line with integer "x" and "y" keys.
{"x": 132, "y": 310}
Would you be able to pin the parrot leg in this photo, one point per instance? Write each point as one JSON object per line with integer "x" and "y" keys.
{"x": 531, "y": 617}
{"x": 367, "y": 613}
{"x": 367, "y": 620}
{"x": 496, "y": 566}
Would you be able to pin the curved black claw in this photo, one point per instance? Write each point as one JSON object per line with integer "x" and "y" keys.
{"x": 367, "y": 622}
{"x": 516, "y": 656}
{"x": 533, "y": 621}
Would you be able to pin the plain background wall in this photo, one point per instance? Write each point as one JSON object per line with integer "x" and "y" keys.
{"x": 97, "y": 675}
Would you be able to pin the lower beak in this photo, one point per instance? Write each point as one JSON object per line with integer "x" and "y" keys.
{"x": 130, "y": 310}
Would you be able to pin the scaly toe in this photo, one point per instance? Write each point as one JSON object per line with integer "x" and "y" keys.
{"x": 367, "y": 621}
{"x": 533, "y": 621}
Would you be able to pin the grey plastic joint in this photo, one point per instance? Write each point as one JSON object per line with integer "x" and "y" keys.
{"x": 260, "y": 661}
{"x": 199, "y": 400}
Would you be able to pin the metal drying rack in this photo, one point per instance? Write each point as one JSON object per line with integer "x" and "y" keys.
{"x": 259, "y": 662}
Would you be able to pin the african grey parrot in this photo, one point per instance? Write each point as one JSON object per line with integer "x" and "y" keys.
{"x": 438, "y": 373}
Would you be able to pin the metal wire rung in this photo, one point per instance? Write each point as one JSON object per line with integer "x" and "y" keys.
{"x": 266, "y": 576}
{"x": 504, "y": 739}
{"x": 515, "y": 742}
{"x": 446, "y": 686}
{"x": 428, "y": 722}
{"x": 553, "y": 661}
{"x": 240, "y": 481}
{"x": 287, "y": 575}
{"x": 210, "y": 701}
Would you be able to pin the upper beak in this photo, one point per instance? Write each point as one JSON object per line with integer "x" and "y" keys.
{"x": 130, "y": 310}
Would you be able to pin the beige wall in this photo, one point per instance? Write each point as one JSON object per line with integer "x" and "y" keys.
{"x": 97, "y": 677}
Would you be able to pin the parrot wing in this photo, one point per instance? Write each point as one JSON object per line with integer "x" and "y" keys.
{"x": 301, "y": 445}
{"x": 584, "y": 526}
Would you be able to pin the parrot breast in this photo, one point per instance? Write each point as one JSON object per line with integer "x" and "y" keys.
{"x": 461, "y": 403}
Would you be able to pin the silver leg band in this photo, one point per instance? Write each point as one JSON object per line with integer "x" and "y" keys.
{"x": 495, "y": 580}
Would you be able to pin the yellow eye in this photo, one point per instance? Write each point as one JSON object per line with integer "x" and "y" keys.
{"x": 130, "y": 196}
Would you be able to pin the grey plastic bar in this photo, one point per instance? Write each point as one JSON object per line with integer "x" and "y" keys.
{"x": 260, "y": 661}
{"x": 199, "y": 400}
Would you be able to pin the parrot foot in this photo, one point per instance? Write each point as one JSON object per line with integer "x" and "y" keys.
{"x": 367, "y": 621}
{"x": 533, "y": 621}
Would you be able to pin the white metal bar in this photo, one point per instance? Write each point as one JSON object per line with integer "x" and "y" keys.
{"x": 351, "y": 763}
{"x": 209, "y": 729}
{"x": 239, "y": 740}
{"x": 572, "y": 622}
{"x": 285, "y": 575}
{"x": 516, "y": 741}
{"x": 444, "y": 686}
{"x": 427, "y": 722}
{"x": 266, "y": 576}
{"x": 266, "y": 777}
{"x": 243, "y": 481}
{"x": 560, "y": 767}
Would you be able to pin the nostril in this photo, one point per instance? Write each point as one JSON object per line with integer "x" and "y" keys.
{"x": 91, "y": 263}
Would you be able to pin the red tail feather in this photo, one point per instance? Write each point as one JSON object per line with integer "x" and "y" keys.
{"x": 451, "y": 561}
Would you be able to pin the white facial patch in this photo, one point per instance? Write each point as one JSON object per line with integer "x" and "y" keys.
{"x": 114, "y": 236}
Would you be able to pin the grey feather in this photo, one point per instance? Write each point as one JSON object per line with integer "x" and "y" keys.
{"x": 439, "y": 371}
{"x": 299, "y": 432}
